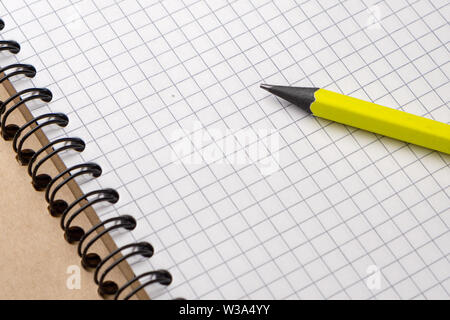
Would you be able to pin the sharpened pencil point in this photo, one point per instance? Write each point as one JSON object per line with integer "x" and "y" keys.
{"x": 302, "y": 97}
{"x": 265, "y": 86}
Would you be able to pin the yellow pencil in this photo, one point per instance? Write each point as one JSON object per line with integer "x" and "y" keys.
{"x": 368, "y": 116}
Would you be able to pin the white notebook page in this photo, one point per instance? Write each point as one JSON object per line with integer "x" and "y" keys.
{"x": 300, "y": 207}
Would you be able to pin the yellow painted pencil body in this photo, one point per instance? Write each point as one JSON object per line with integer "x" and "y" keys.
{"x": 382, "y": 120}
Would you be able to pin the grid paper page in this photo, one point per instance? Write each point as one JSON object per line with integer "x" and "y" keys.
{"x": 325, "y": 210}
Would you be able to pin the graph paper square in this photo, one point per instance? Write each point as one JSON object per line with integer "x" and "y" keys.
{"x": 130, "y": 74}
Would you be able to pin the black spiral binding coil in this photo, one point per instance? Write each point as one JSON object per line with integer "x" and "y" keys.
{"x": 19, "y": 135}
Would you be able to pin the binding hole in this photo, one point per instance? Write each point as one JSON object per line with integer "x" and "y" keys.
{"x": 167, "y": 278}
{"x": 107, "y": 288}
{"x": 148, "y": 249}
{"x": 15, "y": 49}
{"x": 10, "y": 131}
{"x": 41, "y": 181}
{"x": 25, "y": 156}
{"x": 73, "y": 234}
{"x": 131, "y": 222}
{"x": 56, "y": 208}
{"x": 90, "y": 261}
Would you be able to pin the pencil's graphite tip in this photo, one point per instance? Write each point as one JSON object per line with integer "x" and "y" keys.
{"x": 300, "y": 96}
{"x": 265, "y": 86}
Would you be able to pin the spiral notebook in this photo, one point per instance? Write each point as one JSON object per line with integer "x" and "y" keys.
{"x": 237, "y": 195}
{"x": 38, "y": 265}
